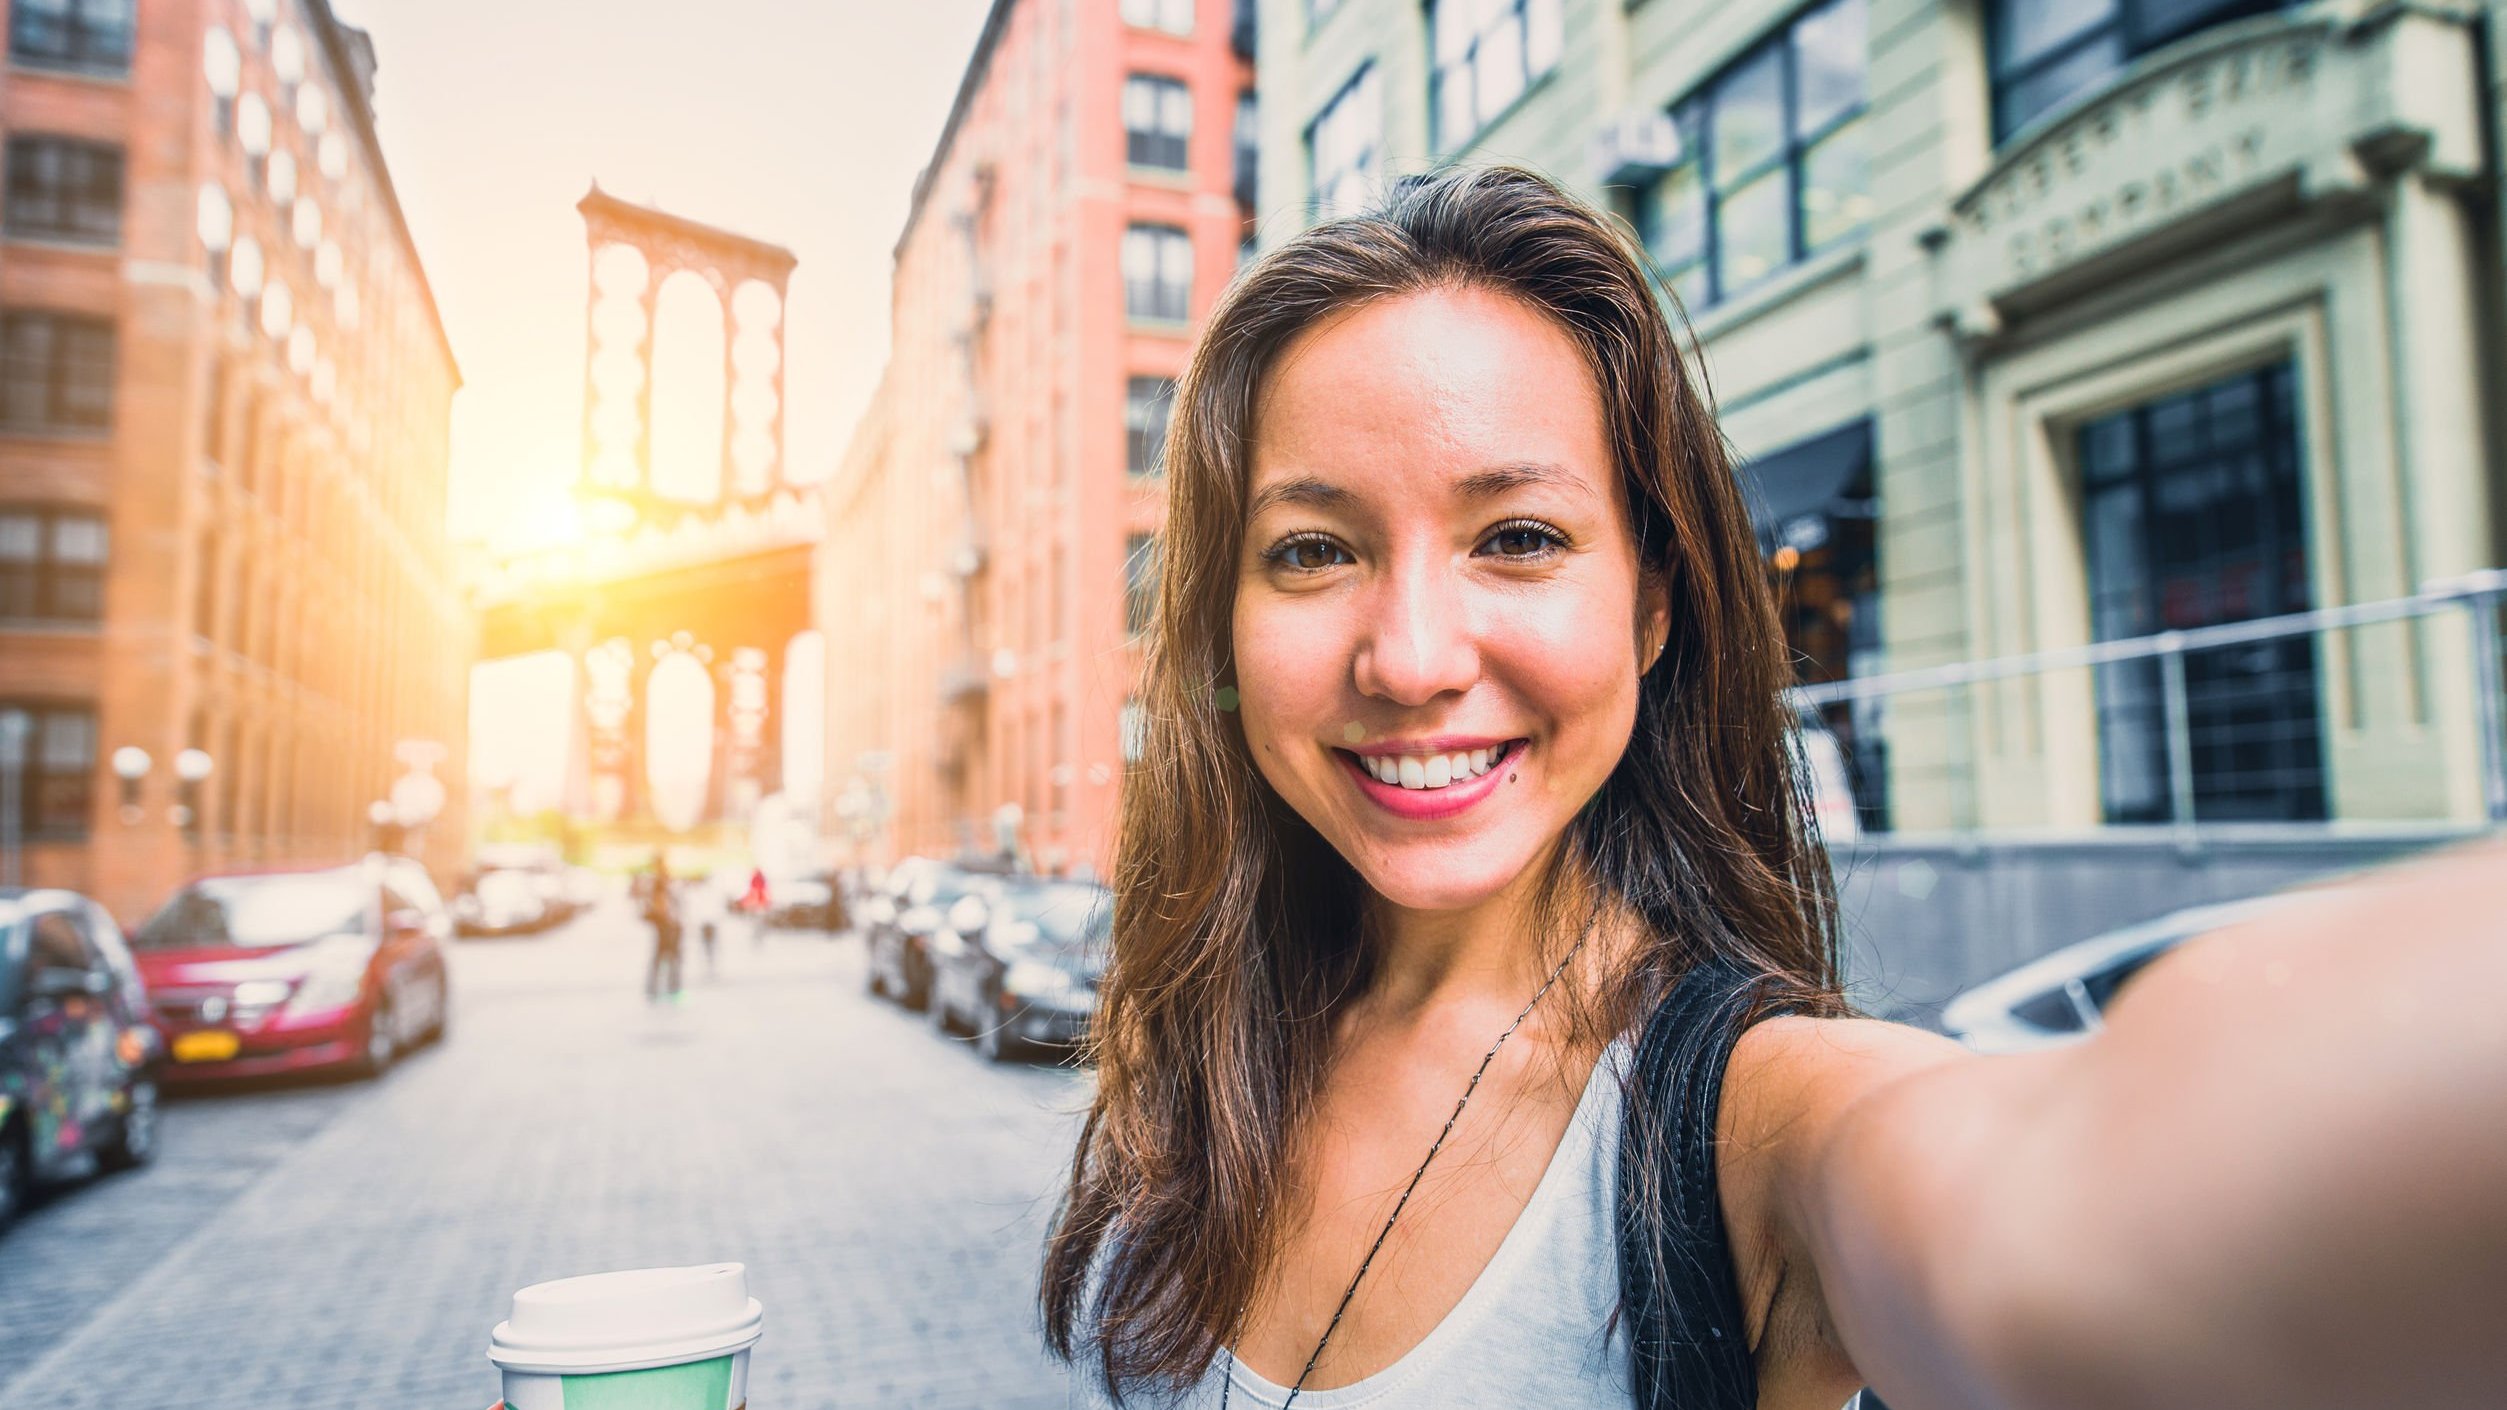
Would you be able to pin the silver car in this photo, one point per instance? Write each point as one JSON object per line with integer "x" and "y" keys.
{"x": 2063, "y": 997}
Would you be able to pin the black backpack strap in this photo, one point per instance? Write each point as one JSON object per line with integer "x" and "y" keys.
{"x": 1678, "y": 1290}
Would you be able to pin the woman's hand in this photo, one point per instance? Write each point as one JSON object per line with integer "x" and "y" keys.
{"x": 2278, "y": 1178}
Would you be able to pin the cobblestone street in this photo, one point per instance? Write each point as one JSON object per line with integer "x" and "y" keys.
{"x": 351, "y": 1244}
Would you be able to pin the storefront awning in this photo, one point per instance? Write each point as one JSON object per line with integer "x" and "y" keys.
{"x": 1805, "y": 481}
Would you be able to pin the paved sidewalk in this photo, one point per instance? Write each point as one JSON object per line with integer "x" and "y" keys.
{"x": 887, "y": 1189}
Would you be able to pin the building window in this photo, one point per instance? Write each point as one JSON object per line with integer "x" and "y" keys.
{"x": 1776, "y": 165}
{"x": 1157, "y": 122}
{"x": 1140, "y": 582}
{"x": 1248, "y": 148}
{"x": 2194, "y": 514}
{"x": 52, "y": 749}
{"x": 1146, "y": 404}
{"x": 1345, "y": 148}
{"x": 52, "y": 565}
{"x": 56, "y": 373}
{"x": 2046, "y": 52}
{"x": 90, "y": 36}
{"x": 1158, "y": 273}
{"x": 1487, "y": 53}
{"x": 63, "y": 189}
{"x": 1173, "y": 16}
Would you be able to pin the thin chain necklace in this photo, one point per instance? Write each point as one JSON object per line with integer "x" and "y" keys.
{"x": 1227, "y": 1386}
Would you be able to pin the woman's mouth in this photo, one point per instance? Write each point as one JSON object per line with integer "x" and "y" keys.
{"x": 1430, "y": 784}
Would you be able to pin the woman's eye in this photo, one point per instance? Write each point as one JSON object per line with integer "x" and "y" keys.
{"x": 1309, "y": 555}
{"x": 1522, "y": 541}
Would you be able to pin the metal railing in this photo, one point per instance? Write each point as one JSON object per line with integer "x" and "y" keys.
{"x": 2388, "y": 713}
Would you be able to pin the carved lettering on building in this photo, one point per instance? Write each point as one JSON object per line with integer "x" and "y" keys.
{"x": 2215, "y": 126}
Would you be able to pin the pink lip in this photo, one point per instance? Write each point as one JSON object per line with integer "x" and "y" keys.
{"x": 1428, "y": 804}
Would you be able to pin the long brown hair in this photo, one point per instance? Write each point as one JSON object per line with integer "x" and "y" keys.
{"x": 1237, "y": 929}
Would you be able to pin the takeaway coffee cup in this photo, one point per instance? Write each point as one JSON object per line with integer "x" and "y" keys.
{"x": 648, "y": 1339}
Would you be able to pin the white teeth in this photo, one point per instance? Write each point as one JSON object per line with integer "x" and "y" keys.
{"x": 1429, "y": 770}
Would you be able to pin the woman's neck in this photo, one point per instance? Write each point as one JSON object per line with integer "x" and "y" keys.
{"x": 1492, "y": 950}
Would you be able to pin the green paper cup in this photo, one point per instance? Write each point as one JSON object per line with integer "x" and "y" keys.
{"x": 648, "y": 1339}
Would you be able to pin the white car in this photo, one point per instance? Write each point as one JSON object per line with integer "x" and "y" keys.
{"x": 2062, "y": 997}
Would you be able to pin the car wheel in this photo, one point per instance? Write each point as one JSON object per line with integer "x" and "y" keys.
{"x": 443, "y": 1013}
{"x": 381, "y": 1047}
{"x": 16, "y": 1176}
{"x": 134, "y": 1139}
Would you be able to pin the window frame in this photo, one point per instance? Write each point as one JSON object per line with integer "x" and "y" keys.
{"x": 1144, "y": 458}
{"x": 48, "y": 571}
{"x": 36, "y": 822}
{"x": 77, "y": 211}
{"x": 1438, "y": 71}
{"x": 1157, "y": 16}
{"x": 1167, "y": 303}
{"x": 1142, "y": 147}
{"x": 2127, "y": 22}
{"x": 88, "y": 49}
{"x": 1696, "y": 115}
{"x": 1370, "y": 168}
{"x": 56, "y": 391}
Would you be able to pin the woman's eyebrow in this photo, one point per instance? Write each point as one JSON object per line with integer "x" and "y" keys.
{"x": 1302, "y": 489}
{"x": 1497, "y": 480}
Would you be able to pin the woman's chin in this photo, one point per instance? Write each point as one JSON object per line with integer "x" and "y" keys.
{"x": 1439, "y": 876}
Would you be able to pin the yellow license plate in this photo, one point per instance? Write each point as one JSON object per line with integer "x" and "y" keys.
{"x": 205, "y": 1047}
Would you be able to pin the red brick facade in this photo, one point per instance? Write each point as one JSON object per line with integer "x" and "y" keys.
{"x": 972, "y": 586}
{"x": 271, "y": 475}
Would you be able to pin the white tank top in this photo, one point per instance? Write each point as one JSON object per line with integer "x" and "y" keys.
{"x": 1535, "y": 1328}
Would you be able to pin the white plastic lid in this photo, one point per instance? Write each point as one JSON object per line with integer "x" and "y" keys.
{"x": 629, "y": 1321}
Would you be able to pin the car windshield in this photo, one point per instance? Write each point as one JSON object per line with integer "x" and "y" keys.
{"x": 1064, "y": 916}
{"x": 259, "y": 912}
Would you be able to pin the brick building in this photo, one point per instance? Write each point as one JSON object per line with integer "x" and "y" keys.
{"x": 991, "y": 531}
{"x": 224, "y": 400}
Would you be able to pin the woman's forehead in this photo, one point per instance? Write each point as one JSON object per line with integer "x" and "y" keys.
{"x": 1437, "y": 389}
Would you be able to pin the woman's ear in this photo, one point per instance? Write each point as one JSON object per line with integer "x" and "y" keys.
{"x": 1653, "y": 616}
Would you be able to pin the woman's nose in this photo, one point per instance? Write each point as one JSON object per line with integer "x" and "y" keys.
{"x": 1419, "y": 643}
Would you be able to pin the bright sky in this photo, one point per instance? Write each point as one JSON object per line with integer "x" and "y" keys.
{"x": 801, "y": 122}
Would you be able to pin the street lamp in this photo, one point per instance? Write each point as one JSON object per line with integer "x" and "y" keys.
{"x": 192, "y": 768}
{"x": 131, "y": 764}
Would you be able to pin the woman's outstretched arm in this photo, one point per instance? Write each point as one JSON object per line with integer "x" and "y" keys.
{"x": 2278, "y": 1178}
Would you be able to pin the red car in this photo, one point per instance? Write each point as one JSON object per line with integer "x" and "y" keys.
{"x": 258, "y": 974}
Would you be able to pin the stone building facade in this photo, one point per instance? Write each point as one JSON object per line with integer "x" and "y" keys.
{"x": 2038, "y": 323}
{"x": 990, "y": 541}
{"x": 222, "y": 449}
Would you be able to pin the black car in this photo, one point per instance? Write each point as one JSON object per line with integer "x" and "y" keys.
{"x": 1024, "y": 969}
{"x": 899, "y": 918}
{"x": 78, "y": 1054}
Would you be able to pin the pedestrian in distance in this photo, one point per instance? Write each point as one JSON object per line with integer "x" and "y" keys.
{"x": 661, "y": 911}
{"x": 754, "y": 903}
{"x": 1474, "y": 1034}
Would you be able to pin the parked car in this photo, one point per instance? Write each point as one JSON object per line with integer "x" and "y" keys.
{"x": 1020, "y": 967}
{"x": 503, "y": 902}
{"x": 806, "y": 902}
{"x": 563, "y": 891}
{"x": 2062, "y": 997}
{"x": 263, "y": 973}
{"x": 78, "y": 1056}
{"x": 901, "y": 916}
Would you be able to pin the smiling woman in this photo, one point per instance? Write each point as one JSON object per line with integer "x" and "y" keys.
{"x": 1473, "y": 1035}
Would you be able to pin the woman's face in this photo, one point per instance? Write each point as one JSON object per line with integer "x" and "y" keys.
{"x": 1440, "y": 618}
